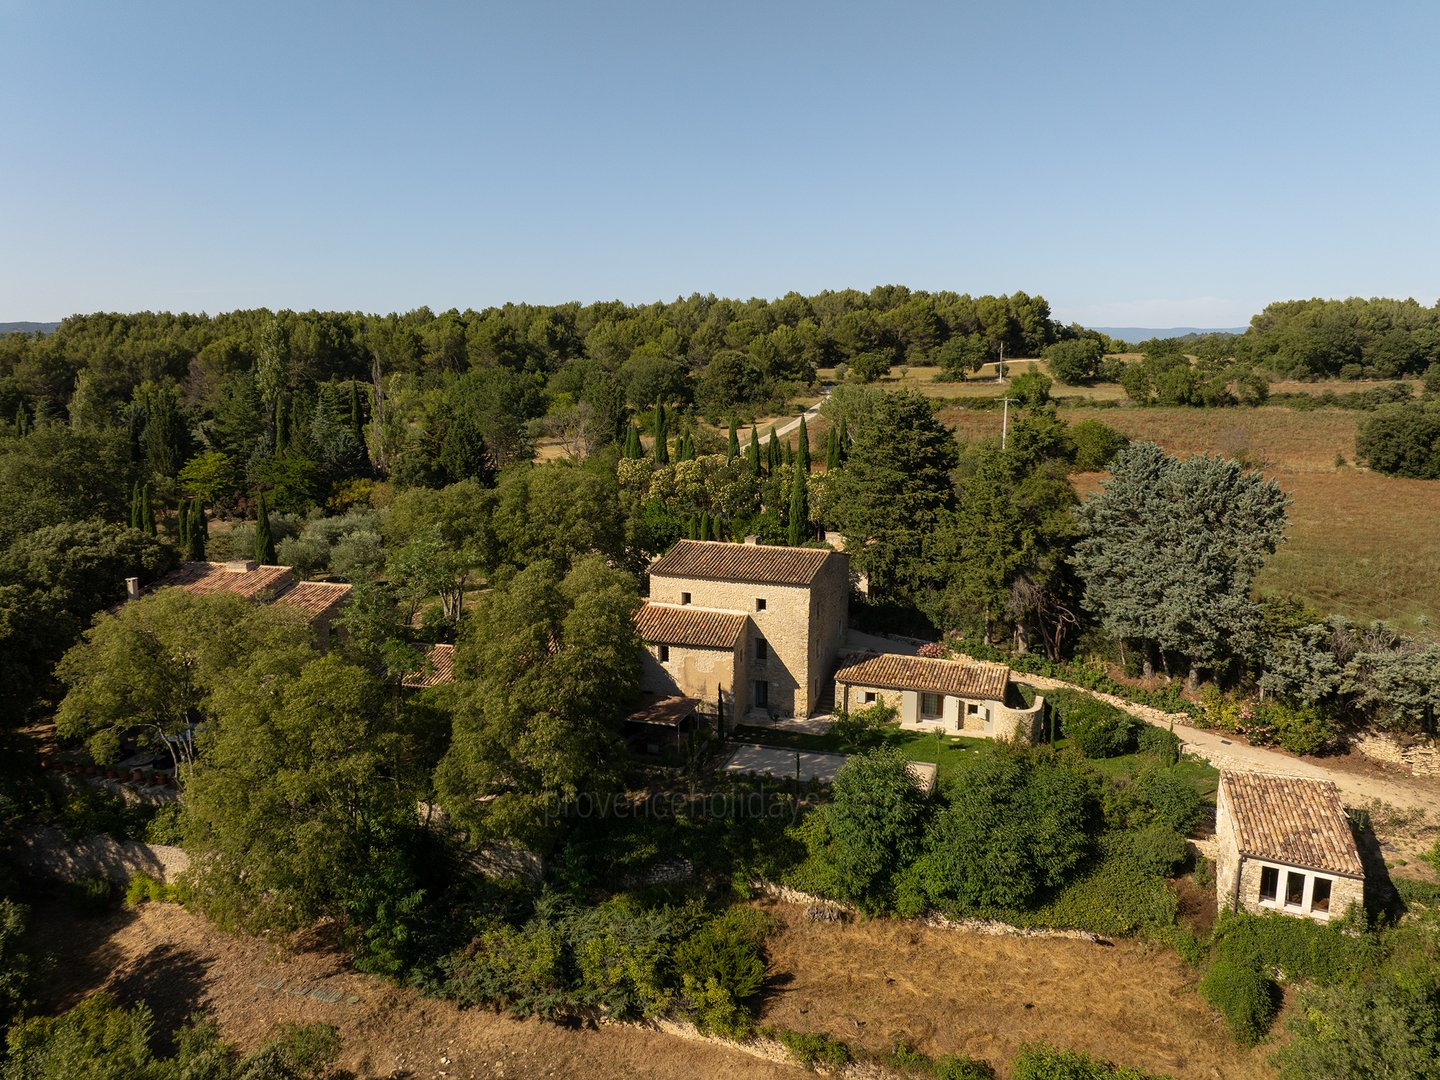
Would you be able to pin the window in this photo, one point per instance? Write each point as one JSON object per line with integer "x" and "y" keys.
{"x": 1269, "y": 883}
{"x": 762, "y": 693}
{"x": 869, "y": 697}
{"x": 759, "y": 603}
{"x": 929, "y": 705}
{"x": 664, "y": 654}
{"x": 1320, "y": 895}
{"x": 971, "y": 708}
{"x": 762, "y": 649}
{"x": 1294, "y": 889}
{"x": 684, "y": 598}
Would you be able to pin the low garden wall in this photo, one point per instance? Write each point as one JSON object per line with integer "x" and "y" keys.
{"x": 1421, "y": 758}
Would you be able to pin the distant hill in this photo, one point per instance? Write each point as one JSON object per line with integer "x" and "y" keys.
{"x": 28, "y": 327}
{"x": 1136, "y": 334}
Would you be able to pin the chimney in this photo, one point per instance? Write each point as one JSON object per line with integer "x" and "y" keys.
{"x": 132, "y": 588}
{"x": 239, "y": 566}
{"x": 753, "y": 538}
{"x": 835, "y": 540}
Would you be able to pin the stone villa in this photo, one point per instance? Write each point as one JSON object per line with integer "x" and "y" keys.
{"x": 757, "y": 626}
{"x": 1284, "y": 844}
{"x": 319, "y": 602}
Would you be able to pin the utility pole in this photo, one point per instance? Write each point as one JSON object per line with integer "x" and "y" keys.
{"x": 1000, "y": 367}
{"x": 1005, "y": 422}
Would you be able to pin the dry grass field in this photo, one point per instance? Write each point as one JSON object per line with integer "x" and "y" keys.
{"x": 1360, "y": 544}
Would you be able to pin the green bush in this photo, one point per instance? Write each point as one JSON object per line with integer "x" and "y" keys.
{"x": 17, "y": 969}
{"x": 1294, "y": 949}
{"x": 728, "y": 949}
{"x": 1115, "y": 895}
{"x": 1301, "y": 729}
{"x": 142, "y": 888}
{"x": 1097, "y": 729}
{"x": 1160, "y": 742}
{"x": 1037, "y": 1061}
{"x": 164, "y": 826}
{"x": 1157, "y": 849}
{"x": 955, "y": 1067}
{"x": 810, "y": 1049}
{"x": 1246, "y": 999}
{"x": 92, "y": 894}
{"x": 1154, "y": 796}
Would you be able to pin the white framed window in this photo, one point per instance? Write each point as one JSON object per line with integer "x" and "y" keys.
{"x": 869, "y": 697}
{"x": 930, "y": 705}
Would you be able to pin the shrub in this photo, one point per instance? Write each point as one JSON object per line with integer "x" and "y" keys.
{"x": 720, "y": 966}
{"x": 165, "y": 826}
{"x": 1246, "y": 999}
{"x": 92, "y": 894}
{"x": 1164, "y": 744}
{"x": 1379, "y": 1028}
{"x": 810, "y": 1049}
{"x": 1097, "y": 730}
{"x": 955, "y": 1067}
{"x": 1293, "y": 948}
{"x": 1037, "y": 1061}
{"x": 1157, "y": 849}
{"x": 142, "y": 888}
{"x": 1154, "y": 797}
{"x": 1115, "y": 895}
{"x": 16, "y": 967}
{"x": 1301, "y": 729}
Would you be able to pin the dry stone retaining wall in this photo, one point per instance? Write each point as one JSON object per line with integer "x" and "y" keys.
{"x": 49, "y": 852}
{"x": 1421, "y": 759}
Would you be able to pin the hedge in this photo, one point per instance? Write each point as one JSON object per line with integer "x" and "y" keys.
{"x": 1246, "y": 999}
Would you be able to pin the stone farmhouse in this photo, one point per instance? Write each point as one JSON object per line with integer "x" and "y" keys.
{"x": 959, "y": 697}
{"x": 319, "y": 602}
{"x": 758, "y": 627}
{"x": 1284, "y": 844}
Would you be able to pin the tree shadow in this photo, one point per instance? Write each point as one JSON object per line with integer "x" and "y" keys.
{"x": 171, "y": 981}
{"x": 1381, "y": 898}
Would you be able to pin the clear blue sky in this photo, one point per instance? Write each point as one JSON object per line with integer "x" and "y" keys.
{"x": 1145, "y": 164}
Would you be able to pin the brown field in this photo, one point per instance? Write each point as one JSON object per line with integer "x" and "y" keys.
{"x": 874, "y": 982}
{"x": 179, "y": 964}
{"x": 980, "y": 384}
{"x": 868, "y": 983}
{"x": 1360, "y": 544}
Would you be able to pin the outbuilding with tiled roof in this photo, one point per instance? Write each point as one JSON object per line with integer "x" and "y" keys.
{"x": 959, "y": 697}
{"x": 1285, "y": 844}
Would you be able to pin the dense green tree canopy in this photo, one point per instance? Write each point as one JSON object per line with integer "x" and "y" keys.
{"x": 1169, "y": 551}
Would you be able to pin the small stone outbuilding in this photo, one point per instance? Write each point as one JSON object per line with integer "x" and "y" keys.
{"x": 959, "y": 697}
{"x": 1284, "y": 844}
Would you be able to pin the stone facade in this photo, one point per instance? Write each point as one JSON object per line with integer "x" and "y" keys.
{"x": 783, "y": 664}
{"x": 973, "y": 718}
{"x": 702, "y": 673}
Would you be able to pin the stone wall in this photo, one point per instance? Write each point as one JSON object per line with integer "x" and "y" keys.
{"x": 50, "y": 853}
{"x": 698, "y": 673}
{"x": 1420, "y": 758}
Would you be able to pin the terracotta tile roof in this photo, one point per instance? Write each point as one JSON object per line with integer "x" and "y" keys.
{"x": 715, "y": 560}
{"x": 676, "y": 624}
{"x": 438, "y": 668}
{"x": 315, "y": 598}
{"x": 1290, "y": 820}
{"x": 241, "y": 578}
{"x": 892, "y": 672}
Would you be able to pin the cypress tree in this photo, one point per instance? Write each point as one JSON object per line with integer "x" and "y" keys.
{"x": 772, "y": 451}
{"x": 632, "y": 447}
{"x": 147, "y": 512}
{"x": 799, "y": 510}
{"x": 832, "y": 459}
{"x": 356, "y": 427}
{"x": 754, "y": 451}
{"x": 195, "y": 532}
{"x": 842, "y": 444}
{"x": 787, "y": 456}
{"x": 181, "y": 526}
{"x": 720, "y": 714}
{"x": 707, "y": 527}
{"x": 662, "y": 436}
{"x": 802, "y": 447}
{"x": 137, "y": 516}
{"x": 22, "y": 420}
{"x": 201, "y": 520}
{"x": 264, "y": 543}
{"x": 734, "y": 450}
